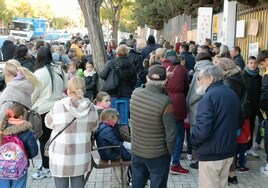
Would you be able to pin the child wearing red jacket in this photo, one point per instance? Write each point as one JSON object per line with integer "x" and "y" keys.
{"x": 242, "y": 143}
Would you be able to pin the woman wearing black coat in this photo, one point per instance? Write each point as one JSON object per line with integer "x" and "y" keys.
{"x": 127, "y": 76}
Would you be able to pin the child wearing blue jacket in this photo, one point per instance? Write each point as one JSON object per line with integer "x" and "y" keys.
{"x": 108, "y": 134}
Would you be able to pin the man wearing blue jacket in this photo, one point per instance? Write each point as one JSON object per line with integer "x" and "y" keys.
{"x": 216, "y": 128}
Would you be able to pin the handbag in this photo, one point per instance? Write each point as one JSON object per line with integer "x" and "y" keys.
{"x": 46, "y": 148}
{"x": 112, "y": 82}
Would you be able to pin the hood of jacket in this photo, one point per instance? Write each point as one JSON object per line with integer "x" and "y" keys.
{"x": 22, "y": 85}
{"x": 123, "y": 63}
{"x": 173, "y": 60}
{"x": 16, "y": 129}
{"x": 201, "y": 64}
{"x": 7, "y": 42}
{"x": 78, "y": 108}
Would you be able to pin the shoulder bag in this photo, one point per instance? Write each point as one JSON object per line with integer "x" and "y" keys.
{"x": 51, "y": 140}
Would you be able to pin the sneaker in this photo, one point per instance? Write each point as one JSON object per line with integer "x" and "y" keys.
{"x": 253, "y": 153}
{"x": 178, "y": 170}
{"x": 237, "y": 166}
{"x": 41, "y": 173}
{"x": 233, "y": 180}
{"x": 189, "y": 157}
{"x": 243, "y": 169}
{"x": 194, "y": 165}
{"x": 256, "y": 146}
{"x": 264, "y": 170}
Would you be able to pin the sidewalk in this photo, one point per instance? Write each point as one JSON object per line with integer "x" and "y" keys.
{"x": 105, "y": 179}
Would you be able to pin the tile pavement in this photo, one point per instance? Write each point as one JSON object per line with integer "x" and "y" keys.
{"x": 104, "y": 178}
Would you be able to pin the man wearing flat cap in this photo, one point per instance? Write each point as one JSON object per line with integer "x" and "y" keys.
{"x": 153, "y": 135}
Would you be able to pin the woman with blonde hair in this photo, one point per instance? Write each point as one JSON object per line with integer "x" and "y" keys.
{"x": 20, "y": 84}
{"x": 75, "y": 141}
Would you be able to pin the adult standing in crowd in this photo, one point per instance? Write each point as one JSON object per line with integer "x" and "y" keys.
{"x": 53, "y": 82}
{"x": 21, "y": 54}
{"x": 8, "y": 48}
{"x": 215, "y": 131}
{"x": 151, "y": 46}
{"x": 127, "y": 76}
{"x": 193, "y": 98}
{"x": 234, "y": 80}
{"x": 20, "y": 83}
{"x": 75, "y": 142}
{"x": 263, "y": 59}
{"x": 78, "y": 43}
{"x": 189, "y": 58}
{"x": 177, "y": 87}
{"x": 236, "y": 56}
{"x": 154, "y": 130}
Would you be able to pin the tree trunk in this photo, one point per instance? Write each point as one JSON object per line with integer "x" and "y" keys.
{"x": 116, "y": 19}
{"x": 91, "y": 12}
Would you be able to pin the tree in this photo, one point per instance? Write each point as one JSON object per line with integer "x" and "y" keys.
{"x": 91, "y": 12}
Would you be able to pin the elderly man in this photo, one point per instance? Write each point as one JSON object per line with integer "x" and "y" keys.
{"x": 216, "y": 128}
{"x": 154, "y": 131}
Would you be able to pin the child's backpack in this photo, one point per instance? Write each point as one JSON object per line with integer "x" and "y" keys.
{"x": 13, "y": 158}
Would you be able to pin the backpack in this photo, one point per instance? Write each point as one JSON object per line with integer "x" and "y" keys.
{"x": 13, "y": 158}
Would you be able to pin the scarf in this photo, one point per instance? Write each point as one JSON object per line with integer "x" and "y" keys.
{"x": 87, "y": 73}
{"x": 252, "y": 73}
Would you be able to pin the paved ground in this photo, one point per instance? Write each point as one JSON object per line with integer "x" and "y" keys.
{"x": 105, "y": 178}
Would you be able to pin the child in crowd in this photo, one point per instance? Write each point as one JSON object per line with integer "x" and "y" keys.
{"x": 254, "y": 80}
{"x": 72, "y": 70}
{"x": 103, "y": 101}
{"x": 14, "y": 124}
{"x": 108, "y": 134}
{"x": 91, "y": 80}
{"x": 242, "y": 144}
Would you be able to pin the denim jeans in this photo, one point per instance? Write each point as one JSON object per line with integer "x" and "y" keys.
{"x": 157, "y": 169}
{"x": 241, "y": 150}
{"x": 266, "y": 140}
{"x": 20, "y": 183}
{"x": 123, "y": 112}
{"x": 179, "y": 143}
{"x": 258, "y": 135}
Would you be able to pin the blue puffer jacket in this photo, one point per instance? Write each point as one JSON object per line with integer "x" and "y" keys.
{"x": 107, "y": 135}
{"x": 216, "y": 123}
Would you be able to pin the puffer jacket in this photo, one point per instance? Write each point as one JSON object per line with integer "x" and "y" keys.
{"x": 127, "y": 76}
{"x": 26, "y": 136}
{"x": 217, "y": 120}
{"x": 17, "y": 90}
{"x": 107, "y": 135}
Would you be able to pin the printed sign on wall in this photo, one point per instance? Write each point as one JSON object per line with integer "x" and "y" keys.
{"x": 204, "y": 23}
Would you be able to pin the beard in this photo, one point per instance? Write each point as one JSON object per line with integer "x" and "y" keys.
{"x": 200, "y": 90}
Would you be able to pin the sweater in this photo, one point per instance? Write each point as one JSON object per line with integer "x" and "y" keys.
{"x": 70, "y": 152}
{"x": 153, "y": 125}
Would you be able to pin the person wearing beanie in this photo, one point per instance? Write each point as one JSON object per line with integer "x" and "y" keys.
{"x": 153, "y": 146}
{"x": 151, "y": 46}
{"x": 8, "y": 48}
{"x": 177, "y": 87}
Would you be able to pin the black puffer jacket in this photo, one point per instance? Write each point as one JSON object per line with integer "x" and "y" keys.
{"x": 127, "y": 76}
{"x": 8, "y": 50}
{"x": 27, "y": 63}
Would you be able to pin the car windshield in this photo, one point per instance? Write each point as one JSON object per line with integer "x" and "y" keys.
{"x": 51, "y": 36}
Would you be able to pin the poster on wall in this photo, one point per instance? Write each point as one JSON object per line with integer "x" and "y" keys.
{"x": 204, "y": 23}
{"x": 253, "y": 49}
{"x": 240, "y": 28}
{"x": 253, "y": 27}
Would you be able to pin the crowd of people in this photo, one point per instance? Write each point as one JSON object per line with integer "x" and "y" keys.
{"x": 173, "y": 97}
